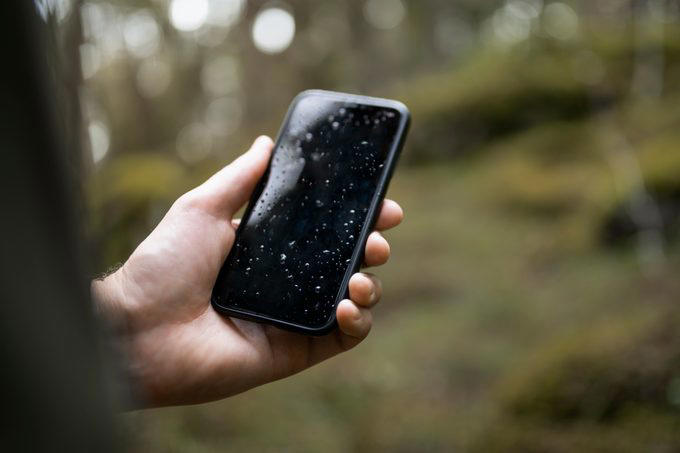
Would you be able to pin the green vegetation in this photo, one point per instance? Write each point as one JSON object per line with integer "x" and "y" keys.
{"x": 528, "y": 306}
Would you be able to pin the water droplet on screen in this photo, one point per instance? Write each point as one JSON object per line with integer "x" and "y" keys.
{"x": 318, "y": 203}
{"x": 335, "y": 125}
{"x": 342, "y": 111}
{"x": 326, "y": 251}
{"x": 351, "y": 211}
{"x": 317, "y": 289}
{"x": 309, "y": 136}
{"x": 291, "y": 243}
{"x": 283, "y": 257}
{"x": 306, "y": 264}
{"x": 364, "y": 142}
{"x": 330, "y": 118}
{"x": 351, "y": 236}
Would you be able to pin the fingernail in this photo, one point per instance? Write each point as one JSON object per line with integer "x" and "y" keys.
{"x": 262, "y": 140}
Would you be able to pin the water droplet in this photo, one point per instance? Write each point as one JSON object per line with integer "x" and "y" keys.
{"x": 317, "y": 289}
{"x": 306, "y": 264}
{"x": 351, "y": 211}
{"x": 342, "y": 111}
{"x": 309, "y": 136}
{"x": 283, "y": 257}
{"x": 318, "y": 203}
{"x": 335, "y": 125}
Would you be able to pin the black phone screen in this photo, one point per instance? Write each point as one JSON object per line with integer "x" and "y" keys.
{"x": 296, "y": 243}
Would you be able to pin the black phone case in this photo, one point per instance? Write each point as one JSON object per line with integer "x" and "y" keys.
{"x": 358, "y": 254}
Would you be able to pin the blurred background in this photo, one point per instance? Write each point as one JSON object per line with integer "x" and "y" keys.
{"x": 531, "y": 302}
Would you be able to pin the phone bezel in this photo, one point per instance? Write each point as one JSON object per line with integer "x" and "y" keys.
{"x": 358, "y": 253}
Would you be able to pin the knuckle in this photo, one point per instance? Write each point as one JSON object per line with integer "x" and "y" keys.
{"x": 187, "y": 200}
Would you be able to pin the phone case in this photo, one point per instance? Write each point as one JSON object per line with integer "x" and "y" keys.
{"x": 358, "y": 254}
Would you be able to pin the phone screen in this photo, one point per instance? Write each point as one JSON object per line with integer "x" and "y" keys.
{"x": 296, "y": 244}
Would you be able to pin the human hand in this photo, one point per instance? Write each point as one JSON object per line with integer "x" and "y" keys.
{"x": 179, "y": 349}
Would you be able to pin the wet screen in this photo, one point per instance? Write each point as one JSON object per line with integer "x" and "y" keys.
{"x": 294, "y": 249}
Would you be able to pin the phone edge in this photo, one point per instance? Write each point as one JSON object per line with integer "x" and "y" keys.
{"x": 357, "y": 257}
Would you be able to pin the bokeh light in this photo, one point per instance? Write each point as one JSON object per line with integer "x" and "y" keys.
{"x": 142, "y": 34}
{"x": 100, "y": 140}
{"x": 273, "y": 30}
{"x": 512, "y": 22}
{"x": 224, "y": 13}
{"x": 90, "y": 60}
{"x": 560, "y": 21}
{"x": 188, "y": 15}
{"x": 384, "y": 14}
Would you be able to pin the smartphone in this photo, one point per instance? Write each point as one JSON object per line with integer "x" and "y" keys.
{"x": 304, "y": 230}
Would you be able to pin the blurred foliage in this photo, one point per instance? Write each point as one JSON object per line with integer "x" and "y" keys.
{"x": 615, "y": 387}
{"x": 531, "y": 301}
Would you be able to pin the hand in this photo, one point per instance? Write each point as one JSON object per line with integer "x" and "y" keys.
{"x": 179, "y": 350}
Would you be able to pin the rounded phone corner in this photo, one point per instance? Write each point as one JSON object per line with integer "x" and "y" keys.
{"x": 401, "y": 107}
{"x": 303, "y": 94}
{"x": 216, "y": 306}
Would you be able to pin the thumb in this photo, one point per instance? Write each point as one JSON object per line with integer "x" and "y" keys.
{"x": 232, "y": 186}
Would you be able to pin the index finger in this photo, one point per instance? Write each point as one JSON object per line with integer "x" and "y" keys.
{"x": 390, "y": 215}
